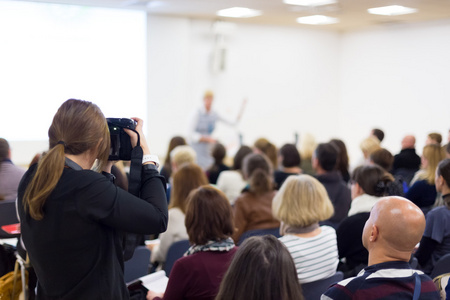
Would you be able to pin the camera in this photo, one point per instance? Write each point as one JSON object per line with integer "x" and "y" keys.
{"x": 120, "y": 140}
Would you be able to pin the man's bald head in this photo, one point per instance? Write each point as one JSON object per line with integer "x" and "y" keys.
{"x": 408, "y": 142}
{"x": 394, "y": 228}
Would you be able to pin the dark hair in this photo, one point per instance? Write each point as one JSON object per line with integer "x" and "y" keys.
{"x": 291, "y": 156}
{"x": 383, "y": 158}
{"x": 448, "y": 148}
{"x": 374, "y": 181}
{"x": 218, "y": 153}
{"x": 174, "y": 142}
{"x": 4, "y": 149}
{"x": 342, "y": 164}
{"x": 78, "y": 126}
{"x": 443, "y": 169}
{"x": 187, "y": 178}
{"x": 327, "y": 156}
{"x": 378, "y": 133}
{"x": 262, "y": 269}
{"x": 239, "y": 157}
{"x": 208, "y": 215}
{"x": 257, "y": 170}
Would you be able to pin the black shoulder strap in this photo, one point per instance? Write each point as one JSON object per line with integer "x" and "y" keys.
{"x": 131, "y": 240}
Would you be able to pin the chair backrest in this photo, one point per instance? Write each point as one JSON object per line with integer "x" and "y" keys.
{"x": 8, "y": 216}
{"x": 257, "y": 232}
{"x": 442, "y": 266}
{"x": 138, "y": 265}
{"x": 313, "y": 290}
{"x": 175, "y": 252}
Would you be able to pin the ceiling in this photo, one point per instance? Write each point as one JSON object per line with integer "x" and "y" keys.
{"x": 352, "y": 13}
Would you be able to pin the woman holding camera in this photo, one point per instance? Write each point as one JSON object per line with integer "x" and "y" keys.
{"x": 71, "y": 216}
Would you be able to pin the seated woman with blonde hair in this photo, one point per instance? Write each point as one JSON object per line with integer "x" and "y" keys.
{"x": 301, "y": 203}
{"x": 422, "y": 190}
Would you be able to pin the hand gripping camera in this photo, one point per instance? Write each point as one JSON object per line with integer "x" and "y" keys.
{"x": 120, "y": 140}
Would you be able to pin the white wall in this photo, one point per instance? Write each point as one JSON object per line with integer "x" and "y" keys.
{"x": 298, "y": 80}
{"x": 288, "y": 75}
{"x": 395, "y": 78}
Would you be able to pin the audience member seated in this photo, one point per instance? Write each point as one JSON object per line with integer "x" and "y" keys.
{"x": 218, "y": 154}
{"x": 434, "y": 138}
{"x": 324, "y": 163}
{"x": 189, "y": 177}
{"x": 367, "y": 146}
{"x": 166, "y": 169}
{"x": 289, "y": 160}
{"x": 301, "y": 203}
{"x": 378, "y": 133}
{"x": 383, "y": 158}
{"x": 436, "y": 239}
{"x": 423, "y": 191}
{"x": 264, "y": 146}
{"x": 232, "y": 182}
{"x": 209, "y": 223}
{"x": 307, "y": 146}
{"x": 180, "y": 155}
{"x": 262, "y": 269}
{"x": 342, "y": 164}
{"x": 352, "y": 254}
{"x": 369, "y": 183}
{"x": 407, "y": 162}
{"x": 253, "y": 208}
{"x": 10, "y": 174}
{"x": 392, "y": 231}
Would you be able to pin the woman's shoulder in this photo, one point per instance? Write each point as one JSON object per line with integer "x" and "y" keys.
{"x": 439, "y": 212}
{"x": 176, "y": 212}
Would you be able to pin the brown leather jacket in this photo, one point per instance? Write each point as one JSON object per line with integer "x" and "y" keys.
{"x": 253, "y": 212}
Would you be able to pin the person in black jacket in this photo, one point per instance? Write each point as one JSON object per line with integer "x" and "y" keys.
{"x": 407, "y": 162}
{"x": 324, "y": 163}
{"x": 71, "y": 215}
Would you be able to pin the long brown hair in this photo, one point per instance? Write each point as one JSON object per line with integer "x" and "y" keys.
{"x": 78, "y": 126}
{"x": 189, "y": 177}
{"x": 262, "y": 269}
{"x": 257, "y": 170}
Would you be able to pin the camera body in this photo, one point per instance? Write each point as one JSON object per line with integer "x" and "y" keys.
{"x": 120, "y": 140}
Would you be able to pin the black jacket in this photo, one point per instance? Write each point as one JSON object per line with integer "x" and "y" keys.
{"x": 75, "y": 249}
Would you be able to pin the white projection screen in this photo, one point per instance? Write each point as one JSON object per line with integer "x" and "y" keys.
{"x": 51, "y": 52}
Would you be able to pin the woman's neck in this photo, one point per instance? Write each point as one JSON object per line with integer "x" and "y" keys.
{"x": 84, "y": 160}
{"x": 293, "y": 170}
{"x": 313, "y": 233}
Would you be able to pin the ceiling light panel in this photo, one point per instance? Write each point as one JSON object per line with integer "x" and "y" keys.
{"x": 317, "y": 20}
{"x": 392, "y": 10}
{"x": 309, "y": 2}
{"x": 239, "y": 12}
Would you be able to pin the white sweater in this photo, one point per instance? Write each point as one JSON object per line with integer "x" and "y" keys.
{"x": 176, "y": 231}
{"x": 363, "y": 203}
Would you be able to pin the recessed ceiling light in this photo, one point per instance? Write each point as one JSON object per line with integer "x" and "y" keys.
{"x": 317, "y": 20}
{"x": 239, "y": 12}
{"x": 309, "y": 2}
{"x": 392, "y": 10}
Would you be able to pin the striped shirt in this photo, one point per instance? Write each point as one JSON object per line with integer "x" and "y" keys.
{"x": 314, "y": 257}
{"x": 390, "y": 280}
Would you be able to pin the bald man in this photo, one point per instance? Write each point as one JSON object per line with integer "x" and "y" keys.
{"x": 394, "y": 228}
{"x": 407, "y": 162}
